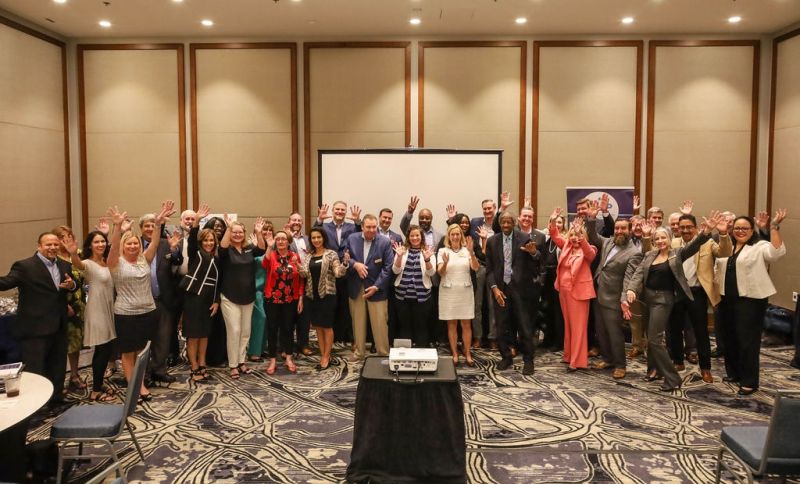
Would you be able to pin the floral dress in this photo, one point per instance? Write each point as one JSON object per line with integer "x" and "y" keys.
{"x": 77, "y": 304}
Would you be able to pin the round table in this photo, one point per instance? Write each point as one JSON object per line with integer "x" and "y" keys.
{"x": 34, "y": 391}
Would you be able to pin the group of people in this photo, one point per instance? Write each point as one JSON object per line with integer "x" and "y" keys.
{"x": 495, "y": 279}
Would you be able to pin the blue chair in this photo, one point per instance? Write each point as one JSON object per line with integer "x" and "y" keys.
{"x": 101, "y": 424}
{"x": 766, "y": 450}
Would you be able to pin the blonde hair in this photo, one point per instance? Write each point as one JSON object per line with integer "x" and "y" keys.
{"x": 581, "y": 232}
{"x": 127, "y": 235}
{"x": 451, "y": 228}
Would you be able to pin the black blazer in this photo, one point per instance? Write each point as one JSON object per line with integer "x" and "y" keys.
{"x": 527, "y": 270}
{"x": 42, "y": 306}
{"x": 202, "y": 277}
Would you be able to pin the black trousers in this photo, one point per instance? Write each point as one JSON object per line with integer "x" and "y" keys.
{"x": 280, "y": 326}
{"x": 413, "y": 319}
{"x": 658, "y": 309}
{"x": 100, "y": 358}
{"x": 697, "y": 312}
{"x": 522, "y": 305}
{"x": 742, "y": 322}
{"x": 552, "y": 322}
{"x": 303, "y": 326}
{"x": 47, "y": 356}
{"x": 166, "y": 330}
{"x": 342, "y": 324}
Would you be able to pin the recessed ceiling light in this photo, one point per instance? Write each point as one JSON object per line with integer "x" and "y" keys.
{"x": 627, "y": 20}
{"x": 60, "y": 1}
{"x": 415, "y": 21}
{"x": 104, "y": 23}
{"x": 521, "y": 20}
{"x": 734, "y": 20}
{"x": 206, "y": 22}
{"x": 178, "y": 1}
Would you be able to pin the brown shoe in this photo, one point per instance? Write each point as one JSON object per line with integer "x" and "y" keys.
{"x": 680, "y": 367}
{"x": 307, "y": 351}
{"x": 602, "y": 365}
{"x": 493, "y": 345}
{"x": 634, "y": 352}
{"x": 619, "y": 373}
{"x": 707, "y": 377}
{"x": 594, "y": 352}
{"x": 692, "y": 358}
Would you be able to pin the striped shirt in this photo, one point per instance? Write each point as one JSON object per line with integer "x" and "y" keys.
{"x": 132, "y": 284}
{"x": 411, "y": 287}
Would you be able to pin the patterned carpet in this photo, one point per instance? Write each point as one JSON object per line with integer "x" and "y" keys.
{"x": 551, "y": 427}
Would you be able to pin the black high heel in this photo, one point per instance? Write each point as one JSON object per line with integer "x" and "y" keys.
{"x": 144, "y": 397}
{"x": 192, "y": 381}
{"x": 653, "y": 376}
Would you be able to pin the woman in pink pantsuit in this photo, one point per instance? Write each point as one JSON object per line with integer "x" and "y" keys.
{"x": 575, "y": 288}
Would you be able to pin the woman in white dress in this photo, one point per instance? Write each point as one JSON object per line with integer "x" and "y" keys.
{"x": 456, "y": 300}
{"x": 98, "y": 329}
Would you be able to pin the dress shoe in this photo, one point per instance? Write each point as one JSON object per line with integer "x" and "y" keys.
{"x": 716, "y": 353}
{"x": 602, "y": 365}
{"x": 493, "y": 345}
{"x": 653, "y": 376}
{"x": 795, "y": 363}
{"x": 746, "y": 391}
{"x": 571, "y": 369}
{"x": 680, "y": 367}
{"x": 505, "y": 364}
{"x": 730, "y": 379}
{"x": 527, "y": 368}
{"x": 667, "y": 388}
{"x": 619, "y": 374}
{"x": 692, "y": 358}
{"x": 707, "y": 377}
{"x": 634, "y": 352}
{"x": 594, "y": 352}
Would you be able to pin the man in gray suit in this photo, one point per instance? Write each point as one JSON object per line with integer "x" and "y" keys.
{"x": 616, "y": 256}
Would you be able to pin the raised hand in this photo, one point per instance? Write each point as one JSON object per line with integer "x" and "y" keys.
{"x": 125, "y": 225}
{"x": 174, "y": 239}
{"x": 470, "y": 244}
{"x": 103, "y": 226}
{"x": 116, "y": 216}
{"x": 686, "y": 207}
{"x": 591, "y": 212}
{"x": 505, "y": 201}
{"x": 412, "y": 204}
{"x": 636, "y": 204}
{"x": 577, "y": 224}
{"x": 229, "y": 220}
{"x": 399, "y": 249}
{"x": 445, "y": 257}
{"x": 722, "y": 224}
{"x": 762, "y": 220}
{"x": 427, "y": 253}
{"x": 202, "y": 212}
{"x": 69, "y": 244}
{"x": 556, "y": 213}
{"x": 483, "y": 233}
{"x": 451, "y": 211}
{"x": 526, "y": 202}
{"x": 604, "y": 203}
{"x": 780, "y": 214}
{"x": 355, "y": 213}
{"x": 167, "y": 209}
{"x": 711, "y": 221}
{"x": 647, "y": 229}
{"x": 258, "y": 225}
{"x": 322, "y": 214}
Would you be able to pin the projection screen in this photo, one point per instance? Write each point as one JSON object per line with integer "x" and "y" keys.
{"x": 383, "y": 178}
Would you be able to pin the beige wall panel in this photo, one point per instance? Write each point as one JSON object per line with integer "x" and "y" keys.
{"x": 19, "y": 241}
{"x": 787, "y": 105}
{"x": 246, "y": 173}
{"x": 358, "y": 90}
{"x": 587, "y": 89}
{"x": 133, "y": 170}
{"x": 786, "y": 173}
{"x": 244, "y": 90}
{"x": 322, "y": 141}
{"x": 581, "y": 159}
{"x": 704, "y": 88}
{"x": 785, "y": 273}
{"x": 711, "y": 168}
{"x": 472, "y": 101}
{"x": 31, "y": 90}
{"x": 131, "y": 91}
{"x": 471, "y": 89}
{"x": 32, "y": 184}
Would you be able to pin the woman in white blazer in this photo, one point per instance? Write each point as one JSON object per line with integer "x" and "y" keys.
{"x": 414, "y": 264}
{"x": 745, "y": 286}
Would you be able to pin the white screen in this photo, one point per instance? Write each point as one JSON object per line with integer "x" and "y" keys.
{"x": 379, "y": 179}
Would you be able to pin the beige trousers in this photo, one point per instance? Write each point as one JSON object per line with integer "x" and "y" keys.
{"x": 379, "y": 320}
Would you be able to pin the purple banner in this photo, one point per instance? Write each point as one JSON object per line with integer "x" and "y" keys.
{"x": 620, "y": 199}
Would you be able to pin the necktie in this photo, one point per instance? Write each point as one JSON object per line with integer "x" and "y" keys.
{"x": 506, "y": 259}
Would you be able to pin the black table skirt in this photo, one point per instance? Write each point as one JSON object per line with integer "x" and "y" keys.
{"x": 408, "y": 431}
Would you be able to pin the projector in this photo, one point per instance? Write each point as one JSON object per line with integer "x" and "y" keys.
{"x": 404, "y": 360}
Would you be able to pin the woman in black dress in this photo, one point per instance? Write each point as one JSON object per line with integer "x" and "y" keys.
{"x": 320, "y": 268}
{"x": 202, "y": 298}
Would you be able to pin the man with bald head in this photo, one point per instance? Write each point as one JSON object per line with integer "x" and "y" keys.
{"x": 425, "y": 219}
{"x": 43, "y": 281}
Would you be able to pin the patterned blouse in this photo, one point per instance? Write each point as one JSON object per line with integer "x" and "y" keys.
{"x": 282, "y": 292}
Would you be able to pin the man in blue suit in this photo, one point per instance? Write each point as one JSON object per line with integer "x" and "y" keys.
{"x": 385, "y": 218}
{"x": 337, "y": 231}
{"x": 370, "y": 264}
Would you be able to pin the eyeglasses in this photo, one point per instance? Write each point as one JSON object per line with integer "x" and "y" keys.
{"x": 742, "y": 229}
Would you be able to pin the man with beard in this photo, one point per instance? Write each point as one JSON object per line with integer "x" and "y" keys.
{"x": 300, "y": 242}
{"x": 614, "y": 254}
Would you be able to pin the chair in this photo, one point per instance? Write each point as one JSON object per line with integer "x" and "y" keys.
{"x": 101, "y": 423}
{"x": 766, "y": 450}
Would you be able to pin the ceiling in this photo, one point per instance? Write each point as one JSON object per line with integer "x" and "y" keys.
{"x": 292, "y": 19}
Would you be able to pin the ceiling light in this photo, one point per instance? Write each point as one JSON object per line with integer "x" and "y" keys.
{"x": 627, "y": 20}
{"x": 178, "y": 1}
{"x": 521, "y": 20}
{"x": 206, "y": 22}
{"x": 734, "y": 20}
{"x": 60, "y": 1}
{"x": 104, "y": 23}
{"x": 415, "y": 21}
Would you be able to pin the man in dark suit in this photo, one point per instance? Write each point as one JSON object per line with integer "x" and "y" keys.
{"x": 163, "y": 285}
{"x": 425, "y": 220}
{"x": 43, "y": 281}
{"x": 617, "y": 256}
{"x": 385, "y": 218}
{"x": 368, "y": 275}
{"x": 515, "y": 273}
{"x": 338, "y": 230}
